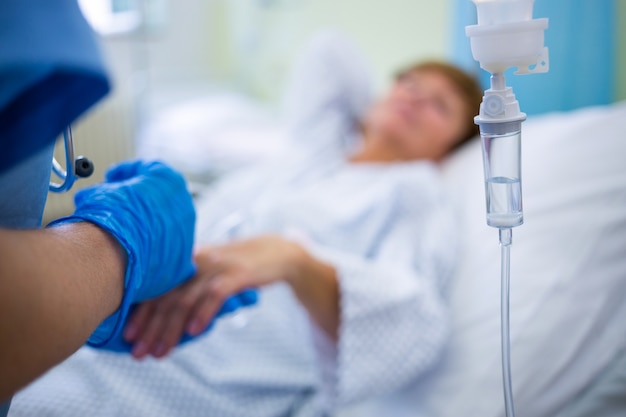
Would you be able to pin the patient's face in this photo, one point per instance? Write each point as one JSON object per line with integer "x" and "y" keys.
{"x": 422, "y": 116}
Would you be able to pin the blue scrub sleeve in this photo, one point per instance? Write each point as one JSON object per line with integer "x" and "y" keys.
{"x": 4, "y": 408}
{"x": 23, "y": 191}
{"x": 51, "y": 72}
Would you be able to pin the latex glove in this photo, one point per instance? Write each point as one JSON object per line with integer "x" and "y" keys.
{"x": 147, "y": 208}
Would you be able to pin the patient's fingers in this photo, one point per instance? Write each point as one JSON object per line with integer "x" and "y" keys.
{"x": 160, "y": 323}
{"x": 138, "y": 321}
{"x": 209, "y": 301}
{"x": 161, "y": 315}
{"x": 181, "y": 310}
{"x": 146, "y": 341}
{"x": 171, "y": 329}
{"x": 217, "y": 291}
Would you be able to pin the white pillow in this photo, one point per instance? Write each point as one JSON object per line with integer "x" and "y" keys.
{"x": 568, "y": 270}
{"x": 211, "y": 134}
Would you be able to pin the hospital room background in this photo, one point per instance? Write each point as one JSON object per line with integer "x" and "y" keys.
{"x": 194, "y": 66}
{"x": 199, "y": 84}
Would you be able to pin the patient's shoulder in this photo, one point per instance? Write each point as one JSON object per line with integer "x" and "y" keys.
{"x": 418, "y": 187}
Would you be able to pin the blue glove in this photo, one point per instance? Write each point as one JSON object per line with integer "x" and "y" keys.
{"x": 147, "y": 208}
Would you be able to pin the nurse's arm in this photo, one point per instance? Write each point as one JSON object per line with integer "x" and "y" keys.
{"x": 56, "y": 286}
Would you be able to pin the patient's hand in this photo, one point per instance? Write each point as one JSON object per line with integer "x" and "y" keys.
{"x": 158, "y": 325}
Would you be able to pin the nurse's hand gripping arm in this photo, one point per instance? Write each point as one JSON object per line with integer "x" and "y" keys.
{"x": 58, "y": 284}
{"x": 159, "y": 324}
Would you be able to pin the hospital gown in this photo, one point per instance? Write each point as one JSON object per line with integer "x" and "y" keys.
{"x": 385, "y": 228}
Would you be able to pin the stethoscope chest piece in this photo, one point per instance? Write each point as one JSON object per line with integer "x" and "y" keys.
{"x": 80, "y": 167}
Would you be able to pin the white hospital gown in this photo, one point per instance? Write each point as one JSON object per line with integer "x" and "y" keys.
{"x": 385, "y": 228}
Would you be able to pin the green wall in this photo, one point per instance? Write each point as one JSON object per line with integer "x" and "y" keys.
{"x": 390, "y": 33}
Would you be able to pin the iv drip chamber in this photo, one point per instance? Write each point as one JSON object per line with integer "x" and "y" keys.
{"x": 501, "y": 145}
{"x": 500, "y": 121}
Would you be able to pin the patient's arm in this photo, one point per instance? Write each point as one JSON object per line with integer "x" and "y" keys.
{"x": 56, "y": 286}
{"x": 329, "y": 91}
{"x": 158, "y": 325}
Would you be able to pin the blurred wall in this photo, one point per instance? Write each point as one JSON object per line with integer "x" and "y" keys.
{"x": 181, "y": 50}
{"x": 257, "y": 40}
{"x": 251, "y": 45}
{"x": 173, "y": 51}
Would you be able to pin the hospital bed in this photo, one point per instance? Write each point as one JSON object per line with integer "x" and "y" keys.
{"x": 568, "y": 312}
{"x": 568, "y": 272}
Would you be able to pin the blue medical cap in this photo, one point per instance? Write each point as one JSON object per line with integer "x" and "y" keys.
{"x": 51, "y": 72}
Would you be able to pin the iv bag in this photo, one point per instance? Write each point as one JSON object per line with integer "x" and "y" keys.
{"x": 494, "y": 12}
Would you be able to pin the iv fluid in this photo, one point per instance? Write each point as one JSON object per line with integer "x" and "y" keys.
{"x": 504, "y": 202}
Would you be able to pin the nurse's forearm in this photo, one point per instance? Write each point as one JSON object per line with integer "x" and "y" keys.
{"x": 315, "y": 285}
{"x": 56, "y": 286}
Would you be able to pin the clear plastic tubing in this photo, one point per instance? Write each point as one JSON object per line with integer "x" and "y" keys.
{"x": 505, "y": 272}
{"x": 501, "y": 143}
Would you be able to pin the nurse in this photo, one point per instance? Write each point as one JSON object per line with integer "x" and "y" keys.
{"x": 129, "y": 239}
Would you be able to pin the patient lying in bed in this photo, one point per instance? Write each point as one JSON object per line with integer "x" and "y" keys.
{"x": 350, "y": 240}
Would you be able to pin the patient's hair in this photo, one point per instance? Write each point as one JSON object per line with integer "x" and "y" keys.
{"x": 466, "y": 84}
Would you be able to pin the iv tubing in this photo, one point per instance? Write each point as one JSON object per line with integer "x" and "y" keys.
{"x": 497, "y": 81}
{"x": 505, "y": 249}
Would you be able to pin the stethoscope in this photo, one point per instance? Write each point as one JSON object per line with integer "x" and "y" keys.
{"x": 80, "y": 167}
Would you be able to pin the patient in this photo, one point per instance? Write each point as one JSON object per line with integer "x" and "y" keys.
{"x": 427, "y": 113}
{"x": 349, "y": 239}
